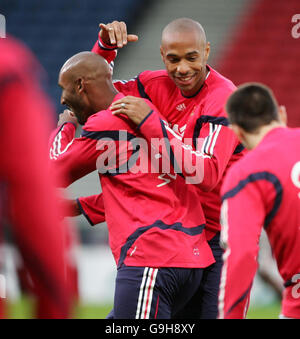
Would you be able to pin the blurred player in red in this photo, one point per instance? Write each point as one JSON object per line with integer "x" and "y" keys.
{"x": 26, "y": 182}
{"x": 261, "y": 190}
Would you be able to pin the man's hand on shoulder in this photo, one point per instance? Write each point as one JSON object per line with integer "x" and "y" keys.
{"x": 115, "y": 33}
{"x": 67, "y": 116}
{"x": 136, "y": 109}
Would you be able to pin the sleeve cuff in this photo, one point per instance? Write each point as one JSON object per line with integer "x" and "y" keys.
{"x": 67, "y": 122}
{"x": 142, "y": 122}
{"x": 83, "y": 212}
{"x": 105, "y": 46}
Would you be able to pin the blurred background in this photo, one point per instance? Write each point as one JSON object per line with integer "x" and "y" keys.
{"x": 251, "y": 40}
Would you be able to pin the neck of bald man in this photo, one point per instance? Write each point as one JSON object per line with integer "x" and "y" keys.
{"x": 102, "y": 94}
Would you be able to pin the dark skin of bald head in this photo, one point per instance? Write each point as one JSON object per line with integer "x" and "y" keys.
{"x": 86, "y": 85}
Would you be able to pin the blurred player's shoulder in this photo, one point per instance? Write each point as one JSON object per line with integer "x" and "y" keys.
{"x": 264, "y": 158}
{"x": 14, "y": 55}
{"x": 281, "y": 146}
{"x": 19, "y": 65}
{"x": 251, "y": 162}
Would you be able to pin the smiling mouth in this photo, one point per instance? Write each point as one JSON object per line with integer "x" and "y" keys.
{"x": 185, "y": 80}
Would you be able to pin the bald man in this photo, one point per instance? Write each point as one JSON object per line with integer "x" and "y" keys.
{"x": 191, "y": 97}
{"x": 158, "y": 243}
{"x": 185, "y": 38}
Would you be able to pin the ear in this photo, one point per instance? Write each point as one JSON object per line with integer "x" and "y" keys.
{"x": 207, "y": 51}
{"x": 282, "y": 115}
{"x": 79, "y": 85}
{"x": 162, "y": 54}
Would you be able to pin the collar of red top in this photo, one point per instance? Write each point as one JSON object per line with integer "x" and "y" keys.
{"x": 199, "y": 90}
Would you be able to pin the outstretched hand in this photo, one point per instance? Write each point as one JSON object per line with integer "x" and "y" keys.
{"x": 136, "y": 109}
{"x": 115, "y": 33}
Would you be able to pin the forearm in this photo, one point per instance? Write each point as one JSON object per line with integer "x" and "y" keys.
{"x": 242, "y": 217}
{"x": 92, "y": 207}
{"x": 71, "y": 158}
{"x": 239, "y": 267}
{"x": 199, "y": 168}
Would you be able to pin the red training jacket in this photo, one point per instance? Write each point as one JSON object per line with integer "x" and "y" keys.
{"x": 151, "y": 222}
{"x": 201, "y": 120}
{"x": 262, "y": 190}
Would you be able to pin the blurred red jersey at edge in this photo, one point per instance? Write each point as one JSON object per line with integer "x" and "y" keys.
{"x": 25, "y": 181}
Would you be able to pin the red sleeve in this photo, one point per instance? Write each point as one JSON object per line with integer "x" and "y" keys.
{"x": 99, "y": 147}
{"x": 108, "y": 52}
{"x": 92, "y": 208}
{"x": 72, "y": 158}
{"x": 133, "y": 86}
{"x": 204, "y": 165}
{"x": 242, "y": 217}
{"x": 30, "y": 189}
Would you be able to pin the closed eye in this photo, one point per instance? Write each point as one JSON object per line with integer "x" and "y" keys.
{"x": 192, "y": 58}
{"x": 173, "y": 60}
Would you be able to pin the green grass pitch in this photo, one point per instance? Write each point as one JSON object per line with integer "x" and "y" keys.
{"x": 22, "y": 310}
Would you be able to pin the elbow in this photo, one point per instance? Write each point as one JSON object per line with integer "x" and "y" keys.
{"x": 206, "y": 180}
{"x": 207, "y": 185}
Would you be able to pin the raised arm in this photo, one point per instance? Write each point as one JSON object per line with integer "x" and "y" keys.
{"x": 111, "y": 37}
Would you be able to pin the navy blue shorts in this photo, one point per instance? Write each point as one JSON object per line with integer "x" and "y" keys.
{"x": 153, "y": 293}
{"x": 204, "y": 304}
{"x": 169, "y": 293}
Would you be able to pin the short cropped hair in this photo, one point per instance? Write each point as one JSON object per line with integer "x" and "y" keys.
{"x": 251, "y": 106}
